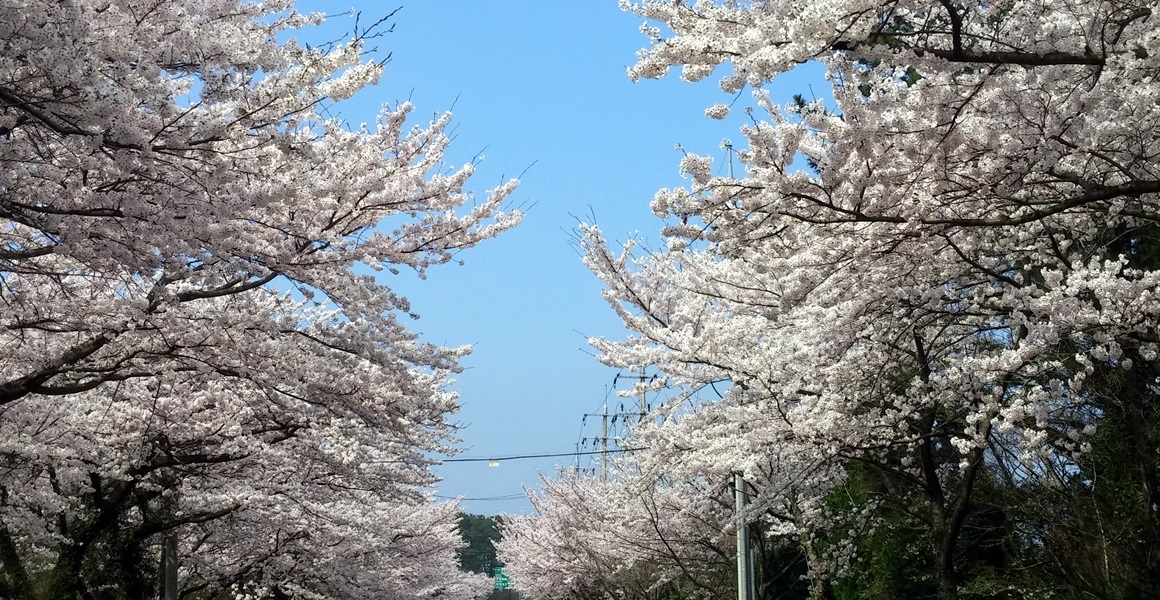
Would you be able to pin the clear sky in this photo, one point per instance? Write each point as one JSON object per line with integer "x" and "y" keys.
{"x": 538, "y": 88}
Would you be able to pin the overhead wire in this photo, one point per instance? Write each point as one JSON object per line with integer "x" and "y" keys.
{"x": 550, "y": 455}
{"x": 577, "y": 453}
{"x": 519, "y": 496}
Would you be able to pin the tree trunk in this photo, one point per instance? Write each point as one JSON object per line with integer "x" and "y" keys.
{"x": 66, "y": 573}
{"x": 820, "y": 588}
{"x": 948, "y": 588}
{"x": 15, "y": 583}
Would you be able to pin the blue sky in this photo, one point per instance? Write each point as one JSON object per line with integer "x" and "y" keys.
{"x": 538, "y": 88}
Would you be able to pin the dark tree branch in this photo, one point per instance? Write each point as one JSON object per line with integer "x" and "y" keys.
{"x": 18, "y": 388}
{"x": 25, "y": 254}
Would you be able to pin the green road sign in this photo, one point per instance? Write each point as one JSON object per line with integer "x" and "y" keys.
{"x": 501, "y": 579}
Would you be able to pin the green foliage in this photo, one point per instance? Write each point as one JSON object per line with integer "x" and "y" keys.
{"x": 1110, "y": 531}
{"x": 893, "y": 550}
{"x": 479, "y": 533}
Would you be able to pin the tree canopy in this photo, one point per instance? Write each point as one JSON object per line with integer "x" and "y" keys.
{"x": 479, "y": 533}
{"x": 933, "y": 301}
{"x": 193, "y": 346}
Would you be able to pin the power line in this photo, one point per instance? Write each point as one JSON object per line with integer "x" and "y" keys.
{"x": 519, "y": 496}
{"x": 555, "y": 455}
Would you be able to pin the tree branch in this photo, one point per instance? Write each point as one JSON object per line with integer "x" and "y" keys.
{"x": 18, "y": 388}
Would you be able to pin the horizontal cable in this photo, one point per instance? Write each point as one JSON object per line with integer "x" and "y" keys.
{"x": 526, "y": 456}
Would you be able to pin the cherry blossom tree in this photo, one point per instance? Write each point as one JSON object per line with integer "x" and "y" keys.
{"x": 666, "y": 522}
{"x": 786, "y": 482}
{"x": 169, "y": 167}
{"x": 946, "y": 277}
{"x": 260, "y": 491}
{"x": 628, "y": 537}
{"x": 175, "y": 152}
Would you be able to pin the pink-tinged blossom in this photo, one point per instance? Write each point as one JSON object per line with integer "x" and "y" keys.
{"x": 717, "y": 111}
{"x": 168, "y": 166}
{"x": 934, "y": 295}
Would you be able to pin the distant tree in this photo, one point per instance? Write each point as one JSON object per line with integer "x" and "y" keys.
{"x": 592, "y": 538}
{"x": 479, "y": 533}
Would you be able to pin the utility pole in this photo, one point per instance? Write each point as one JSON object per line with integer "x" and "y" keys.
{"x": 643, "y": 405}
{"x": 745, "y": 584}
{"x": 641, "y": 376}
{"x": 604, "y": 444}
{"x": 641, "y": 414}
{"x": 604, "y": 437}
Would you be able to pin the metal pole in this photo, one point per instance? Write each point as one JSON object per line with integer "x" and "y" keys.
{"x": 744, "y": 566}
